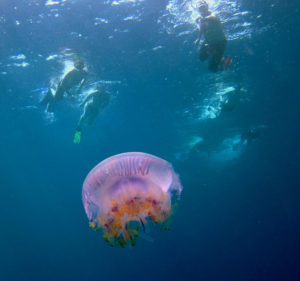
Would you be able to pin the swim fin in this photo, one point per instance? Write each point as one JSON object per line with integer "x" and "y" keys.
{"x": 77, "y": 137}
{"x": 47, "y": 98}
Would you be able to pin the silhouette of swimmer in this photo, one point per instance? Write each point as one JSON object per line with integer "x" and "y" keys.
{"x": 234, "y": 97}
{"x": 93, "y": 104}
{"x": 72, "y": 78}
{"x": 215, "y": 40}
{"x": 249, "y": 136}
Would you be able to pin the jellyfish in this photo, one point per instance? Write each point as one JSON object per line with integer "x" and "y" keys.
{"x": 125, "y": 193}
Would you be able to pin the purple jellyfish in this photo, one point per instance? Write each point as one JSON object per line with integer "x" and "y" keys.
{"x": 126, "y": 191}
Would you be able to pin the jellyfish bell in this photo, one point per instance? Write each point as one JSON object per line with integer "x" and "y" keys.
{"x": 125, "y": 192}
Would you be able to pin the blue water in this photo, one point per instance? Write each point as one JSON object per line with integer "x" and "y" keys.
{"x": 238, "y": 218}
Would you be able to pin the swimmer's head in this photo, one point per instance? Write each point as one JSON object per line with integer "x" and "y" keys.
{"x": 79, "y": 64}
{"x": 203, "y": 8}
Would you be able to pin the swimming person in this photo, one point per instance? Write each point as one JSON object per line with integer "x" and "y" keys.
{"x": 76, "y": 76}
{"x": 248, "y": 136}
{"x": 93, "y": 104}
{"x": 215, "y": 40}
{"x": 234, "y": 97}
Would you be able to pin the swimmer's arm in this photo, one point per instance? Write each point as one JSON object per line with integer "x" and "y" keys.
{"x": 80, "y": 86}
{"x": 201, "y": 29}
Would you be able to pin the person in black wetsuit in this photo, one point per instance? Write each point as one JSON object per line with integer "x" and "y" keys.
{"x": 248, "y": 136}
{"x": 72, "y": 78}
{"x": 234, "y": 97}
{"x": 215, "y": 40}
{"x": 93, "y": 104}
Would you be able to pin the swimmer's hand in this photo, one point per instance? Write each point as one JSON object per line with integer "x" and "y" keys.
{"x": 198, "y": 19}
{"x": 196, "y": 42}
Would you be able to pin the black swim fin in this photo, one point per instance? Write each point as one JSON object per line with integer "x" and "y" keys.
{"x": 47, "y": 98}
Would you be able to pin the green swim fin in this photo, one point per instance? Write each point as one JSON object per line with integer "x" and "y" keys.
{"x": 77, "y": 137}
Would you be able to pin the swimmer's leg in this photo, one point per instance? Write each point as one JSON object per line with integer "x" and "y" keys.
{"x": 215, "y": 61}
{"x": 80, "y": 123}
{"x": 92, "y": 118}
{"x": 77, "y": 134}
{"x": 217, "y": 54}
{"x": 56, "y": 97}
{"x": 47, "y": 98}
{"x": 51, "y": 105}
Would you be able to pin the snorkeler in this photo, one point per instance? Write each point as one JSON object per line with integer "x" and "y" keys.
{"x": 215, "y": 40}
{"x": 248, "y": 136}
{"x": 72, "y": 78}
{"x": 93, "y": 103}
{"x": 234, "y": 97}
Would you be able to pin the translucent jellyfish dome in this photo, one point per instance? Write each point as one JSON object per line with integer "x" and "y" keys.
{"x": 127, "y": 191}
